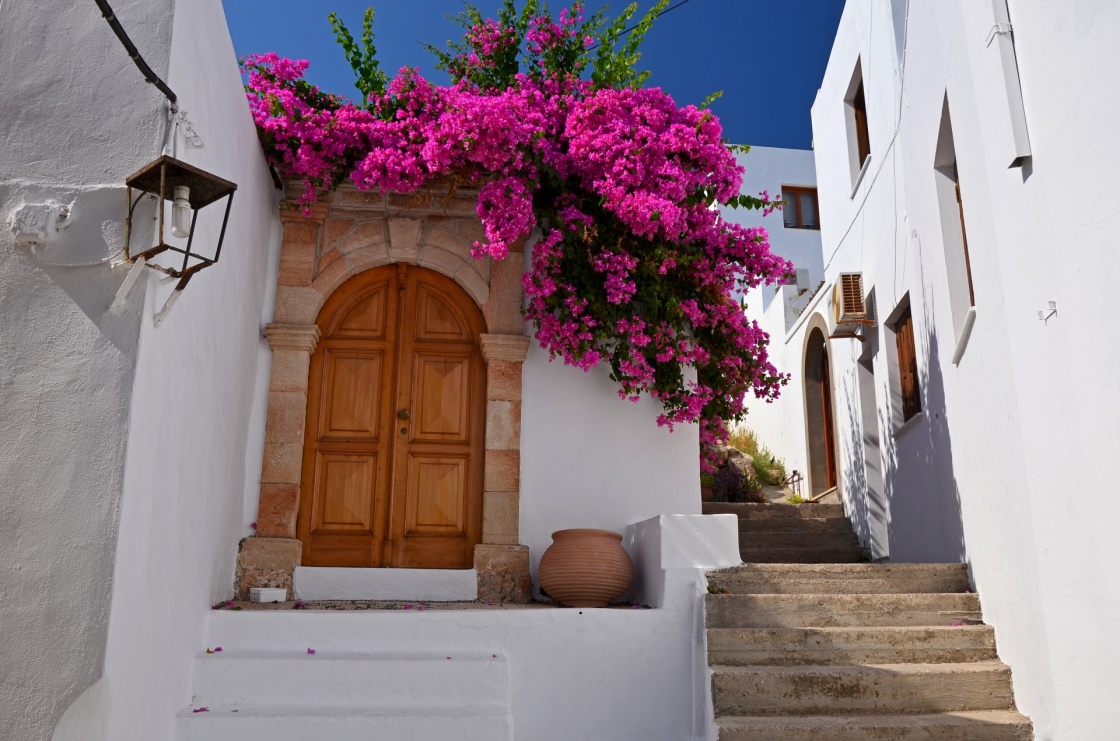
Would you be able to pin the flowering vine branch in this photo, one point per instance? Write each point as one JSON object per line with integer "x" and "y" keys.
{"x": 634, "y": 267}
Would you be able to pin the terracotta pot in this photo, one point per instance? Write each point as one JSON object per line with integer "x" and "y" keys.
{"x": 585, "y": 568}
{"x": 705, "y": 494}
{"x": 754, "y": 495}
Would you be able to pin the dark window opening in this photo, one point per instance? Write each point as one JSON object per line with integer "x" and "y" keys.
{"x": 863, "y": 140}
{"x": 907, "y": 365}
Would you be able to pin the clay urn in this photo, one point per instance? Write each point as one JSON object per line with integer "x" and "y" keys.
{"x": 585, "y": 568}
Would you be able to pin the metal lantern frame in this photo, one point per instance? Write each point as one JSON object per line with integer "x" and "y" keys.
{"x": 160, "y": 178}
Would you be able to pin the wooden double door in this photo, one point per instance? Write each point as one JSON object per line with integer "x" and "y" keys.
{"x": 393, "y": 449}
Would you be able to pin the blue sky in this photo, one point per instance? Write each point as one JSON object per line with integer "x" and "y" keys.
{"x": 767, "y": 56}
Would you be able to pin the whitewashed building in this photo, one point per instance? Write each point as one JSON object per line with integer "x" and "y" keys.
{"x": 966, "y": 168}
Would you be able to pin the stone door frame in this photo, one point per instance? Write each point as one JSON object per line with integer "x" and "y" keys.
{"x": 343, "y": 234}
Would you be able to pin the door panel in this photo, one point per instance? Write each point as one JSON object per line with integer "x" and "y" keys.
{"x": 345, "y": 486}
{"x": 437, "y": 318}
{"x": 369, "y": 316}
{"x": 437, "y": 489}
{"x": 396, "y": 421}
{"x": 352, "y": 398}
{"x": 441, "y": 398}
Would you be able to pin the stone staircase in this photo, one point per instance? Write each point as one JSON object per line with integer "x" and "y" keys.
{"x": 838, "y": 651}
{"x": 784, "y": 533}
{"x": 291, "y": 695}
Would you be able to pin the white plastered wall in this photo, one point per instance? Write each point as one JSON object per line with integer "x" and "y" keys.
{"x": 193, "y": 404}
{"x": 591, "y": 459}
{"x": 76, "y": 119}
{"x": 1011, "y": 455}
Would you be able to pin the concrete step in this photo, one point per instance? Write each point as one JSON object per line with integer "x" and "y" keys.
{"x": 754, "y": 511}
{"x": 355, "y": 723}
{"x": 911, "y": 578}
{"x": 830, "y": 554}
{"x": 798, "y": 539}
{"x": 840, "y": 646}
{"x": 854, "y": 690}
{"x": 798, "y": 524}
{"x": 340, "y": 678}
{"x": 975, "y": 725}
{"x": 839, "y": 610}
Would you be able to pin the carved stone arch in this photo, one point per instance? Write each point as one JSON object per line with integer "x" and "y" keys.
{"x": 347, "y": 233}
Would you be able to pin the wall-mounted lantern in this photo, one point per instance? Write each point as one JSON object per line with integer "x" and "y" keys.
{"x": 190, "y": 190}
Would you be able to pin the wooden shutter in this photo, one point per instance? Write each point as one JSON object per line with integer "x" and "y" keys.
{"x": 907, "y": 365}
{"x": 863, "y": 140}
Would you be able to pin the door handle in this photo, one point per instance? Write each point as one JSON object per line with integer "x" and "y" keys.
{"x": 403, "y": 414}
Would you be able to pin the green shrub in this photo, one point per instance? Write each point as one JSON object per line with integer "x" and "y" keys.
{"x": 770, "y": 469}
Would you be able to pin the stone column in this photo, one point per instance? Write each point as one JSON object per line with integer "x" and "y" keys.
{"x": 270, "y": 557}
{"x": 502, "y": 564}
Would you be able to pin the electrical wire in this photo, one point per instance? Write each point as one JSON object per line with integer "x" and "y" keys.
{"x": 133, "y": 52}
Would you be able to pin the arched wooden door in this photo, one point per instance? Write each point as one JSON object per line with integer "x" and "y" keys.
{"x": 820, "y": 431}
{"x": 396, "y": 404}
{"x": 829, "y": 436}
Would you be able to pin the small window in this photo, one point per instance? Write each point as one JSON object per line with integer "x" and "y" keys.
{"x": 859, "y": 140}
{"x": 800, "y": 211}
{"x": 954, "y": 236}
{"x": 907, "y": 364}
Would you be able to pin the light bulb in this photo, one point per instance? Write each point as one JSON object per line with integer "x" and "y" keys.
{"x": 181, "y": 212}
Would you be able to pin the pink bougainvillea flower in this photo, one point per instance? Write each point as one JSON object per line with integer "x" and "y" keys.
{"x": 634, "y": 267}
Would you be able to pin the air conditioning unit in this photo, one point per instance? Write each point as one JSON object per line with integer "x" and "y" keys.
{"x": 849, "y": 306}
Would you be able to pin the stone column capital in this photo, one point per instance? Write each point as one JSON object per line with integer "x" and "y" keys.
{"x": 293, "y": 336}
{"x": 511, "y": 347}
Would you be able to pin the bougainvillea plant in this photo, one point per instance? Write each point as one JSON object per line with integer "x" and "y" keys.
{"x": 633, "y": 266}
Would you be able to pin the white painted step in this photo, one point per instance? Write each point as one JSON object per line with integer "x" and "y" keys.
{"x": 355, "y": 723}
{"x": 342, "y": 678}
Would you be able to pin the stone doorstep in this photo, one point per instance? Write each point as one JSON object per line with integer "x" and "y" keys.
{"x": 404, "y": 605}
{"x": 500, "y": 574}
{"x": 314, "y": 583}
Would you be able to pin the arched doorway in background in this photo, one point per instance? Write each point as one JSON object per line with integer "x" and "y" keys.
{"x": 820, "y": 430}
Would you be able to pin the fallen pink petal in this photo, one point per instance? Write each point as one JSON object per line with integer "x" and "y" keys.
{"x": 311, "y": 651}
{"x": 201, "y": 710}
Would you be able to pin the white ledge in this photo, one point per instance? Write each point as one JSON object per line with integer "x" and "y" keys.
{"x": 862, "y": 172}
{"x": 909, "y": 424}
{"x": 966, "y": 332}
{"x": 436, "y": 585}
